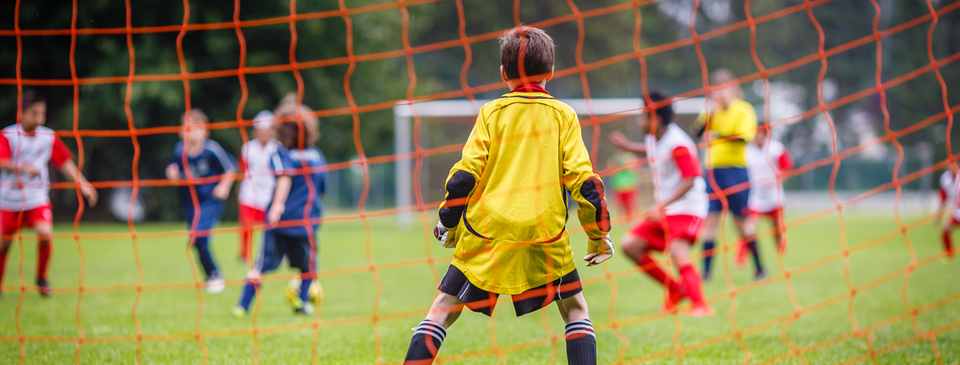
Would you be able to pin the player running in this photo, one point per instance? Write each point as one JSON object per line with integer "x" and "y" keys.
{"x": 256, "y": 190}
{"x": 681, "y": 205}
{"x": 727, "y": 126}
{"x": 948, "y": 189}
{"x": 26, "y": 148}
{"x": 210, "y": 164}
{"x": 766, "y": 159}
{"x": 505, "y": 208}
{"x": 295, "y": 209}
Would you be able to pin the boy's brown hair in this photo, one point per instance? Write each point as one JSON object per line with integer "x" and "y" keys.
{"x": 196, "y": 117}
{"x": 527, "y": 47}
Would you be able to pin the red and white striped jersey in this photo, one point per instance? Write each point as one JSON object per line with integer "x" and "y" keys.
{"x": 674, "y": 157}
{"x": 763, "y": 165}
{"x": 20, "y": 192}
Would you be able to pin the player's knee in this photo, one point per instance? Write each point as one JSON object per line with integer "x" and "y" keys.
{"x": 573, "y": 308}
{"x": 253, "y": 275}
{"x": 445, "y": 310}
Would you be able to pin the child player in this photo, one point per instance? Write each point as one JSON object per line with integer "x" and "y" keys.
{"x": 766, "y": 158}
{"x": 296, "y": 206}
{"x": 26, "y": 148}
{"x": 256, "y": 190}
{"x": 948, "y": 196}
{"x": 197, "y": 157}
{"x": 681, "y": 205}
{"x": 505, "y": 207}
{"x": 727, "y": 126}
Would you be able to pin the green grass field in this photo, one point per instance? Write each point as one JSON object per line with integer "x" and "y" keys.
{"x": 404, "y": 287}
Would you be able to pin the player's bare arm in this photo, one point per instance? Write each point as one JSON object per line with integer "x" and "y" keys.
{"x": 69, "y": 169}
{"x": 620, "y": 140}
{"x": 279, "y": 197}
{"x": 222, "y": 190}
{"x": 23, "y": 169}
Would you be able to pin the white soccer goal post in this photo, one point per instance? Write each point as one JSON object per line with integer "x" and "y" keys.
{"x": 403, "y": 131}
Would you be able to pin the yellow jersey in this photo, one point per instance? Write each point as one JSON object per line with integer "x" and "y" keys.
{"x": 732, "y": 128}
{"x": 506, "y": 197}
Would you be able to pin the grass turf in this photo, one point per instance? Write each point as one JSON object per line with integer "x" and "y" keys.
{"x": 346, "y": 335}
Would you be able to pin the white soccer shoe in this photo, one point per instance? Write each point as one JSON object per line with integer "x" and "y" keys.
{"x": 215, "y": 284}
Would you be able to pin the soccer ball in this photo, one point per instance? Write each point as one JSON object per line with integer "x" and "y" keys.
{"x": 315, "y": 293}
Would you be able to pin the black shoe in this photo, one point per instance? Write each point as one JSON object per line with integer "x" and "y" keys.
{"x": 44, "y": 288}
{"x": 760, "y": 276}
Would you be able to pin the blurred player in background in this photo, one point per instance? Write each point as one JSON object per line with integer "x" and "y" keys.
{"x": 300, "y": 183}
{"x": 26, "y": 149}
{"x": 766, "y": 159}
{"x": 948, "y": 203}
{"x": 727, "y": 126}
{"x": 681, "y": 205}
{"x": 626, "y": 182}
{"x": 197, "y": 157}
{"x": 256, "y": 190}
{"x": 505, "y": 209}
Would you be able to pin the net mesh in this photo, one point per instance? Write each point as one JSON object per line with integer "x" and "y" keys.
{"x": 426, "y": 207}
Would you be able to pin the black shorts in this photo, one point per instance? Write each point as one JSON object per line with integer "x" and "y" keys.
{"x": 277, "y": 246}
{"x": 482, "y": 301}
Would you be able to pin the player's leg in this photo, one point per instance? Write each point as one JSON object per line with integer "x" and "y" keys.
{"x": 209, "y": 217}
{"x": 44, "y": 231}
{"x": 747, "y": 231}
{"x": 778, "y": 231}
{"x": 709, "y": 236}
{"x": 429, "y": 335}
{"x": 741, "y": 258}
{"x": 579, "y": 333}
{"x": 298, "y": 251}
{"x": 680, "y": 252}
{"x": 636, "y": 244}
{"x": 244, "y": 217}
{"x": 8, "y": 227}
{"x": 946, "y": 235}
{"x": 269, "y": 260}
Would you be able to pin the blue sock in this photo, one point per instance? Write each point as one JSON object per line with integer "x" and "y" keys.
{"x": 755, "y": 252}
{"x": 249, "y": 291}
{"x": 708, "y": 253}
{"x": 305, "y": 289}
{"x": 206, "y": 259}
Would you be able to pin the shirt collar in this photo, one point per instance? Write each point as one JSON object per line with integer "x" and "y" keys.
{"x": 530, "y": 88}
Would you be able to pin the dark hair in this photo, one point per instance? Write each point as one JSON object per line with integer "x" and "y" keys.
{"x": 289, "y": 132}
{"x": 664, "y": 112}
{"x": 31, "y": 97}
{"x": 536, "y": 47}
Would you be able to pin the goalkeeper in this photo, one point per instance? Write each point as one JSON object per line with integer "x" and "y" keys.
{"x": 505, "y": 208}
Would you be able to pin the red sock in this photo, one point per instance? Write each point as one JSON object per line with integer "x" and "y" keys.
{"x": 691, "y": 280}
{"x": 651, "y": 268}
{"x": 245, "y": 239}
{"x": 44, "y": 249}
{"x": 948, "y": 243}
{"x": 3, "y": 262}
{"x": 741, "y": 254}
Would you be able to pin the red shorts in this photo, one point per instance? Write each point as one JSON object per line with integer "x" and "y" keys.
{"x": 686, "y": 227}
{"x": 773, "y": 215}
{"x": 250, "y": 215}
{"x": 9, "y": 220}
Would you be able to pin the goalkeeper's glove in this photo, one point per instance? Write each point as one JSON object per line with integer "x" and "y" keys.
{"x": 446, "y": 236}
{"x": 598, "y": 250}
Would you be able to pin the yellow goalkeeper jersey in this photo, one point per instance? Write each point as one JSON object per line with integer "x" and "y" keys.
{"x": 507, "y": 199}
{"x": 732, "y": 128}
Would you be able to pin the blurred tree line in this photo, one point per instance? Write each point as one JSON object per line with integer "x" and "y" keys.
{"x": 160, "y": 103}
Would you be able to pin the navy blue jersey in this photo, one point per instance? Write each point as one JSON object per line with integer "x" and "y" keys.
{"x": 286, "y": 162}
{"x": 213, "y": 161}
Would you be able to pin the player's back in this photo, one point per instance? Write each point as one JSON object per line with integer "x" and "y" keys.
{"x": 307, "y": 183}
{"x": 520, "y": 195}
